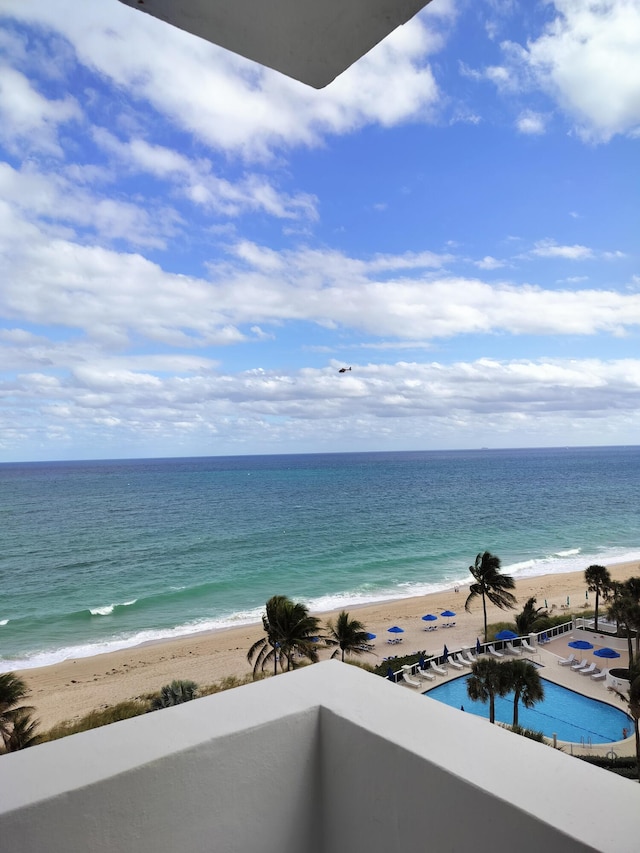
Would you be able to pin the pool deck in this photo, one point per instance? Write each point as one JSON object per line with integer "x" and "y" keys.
{"x": 548, "y": 656}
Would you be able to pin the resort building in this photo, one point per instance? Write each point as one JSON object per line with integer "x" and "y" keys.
{"x": 323, "y": 759}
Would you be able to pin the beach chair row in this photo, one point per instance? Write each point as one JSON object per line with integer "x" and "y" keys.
{"x": 583, "y": 667}
{"x": 394, "y": 641}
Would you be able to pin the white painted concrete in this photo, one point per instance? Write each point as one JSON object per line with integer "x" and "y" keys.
{"x": 310, "y": 40}
{"x": 323, "y": 759}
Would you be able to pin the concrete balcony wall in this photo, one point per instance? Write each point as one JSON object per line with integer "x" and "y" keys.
{"x": 320, "y": 760}
{"x": 193, "y": 778}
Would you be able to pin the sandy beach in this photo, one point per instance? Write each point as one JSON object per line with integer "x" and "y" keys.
{"x": 68, "y": 690}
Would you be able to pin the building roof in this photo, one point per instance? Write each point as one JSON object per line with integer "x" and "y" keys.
{"x": 310, "y": 40}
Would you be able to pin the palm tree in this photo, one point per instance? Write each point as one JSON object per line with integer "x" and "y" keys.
{"x": 24, "y": 732}
{"x": 526, "y": 621}
{"x": 349, "y": 635}
{"x": 522, "y": 677}
{"x": 174, "y": 694}
{"x": 17, "y": 728}
{"x": 487, "y": 680}
{"x": 289, "y": 630}
{"x": 625, "y": 609}
{"x": 599, "y": 581}
{"x": 489, "y": 583}
{"x": 632, "y": 697}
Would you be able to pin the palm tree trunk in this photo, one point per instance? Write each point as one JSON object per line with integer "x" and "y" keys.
{"x": 484, "y": 610}
{"x": 492, "y": 708}
{"x": 597, "y": 600}
{"x": 516, "y": 700}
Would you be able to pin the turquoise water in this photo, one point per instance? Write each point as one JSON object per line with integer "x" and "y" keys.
{"x": 571, "y": 716}
{"x": 102, "y": 555}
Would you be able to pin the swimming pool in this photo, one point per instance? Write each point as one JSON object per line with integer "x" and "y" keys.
{"x": 570, "y": 715}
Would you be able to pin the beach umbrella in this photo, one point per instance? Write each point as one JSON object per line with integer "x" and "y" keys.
{"x": 606, "y": 653}
{"x": 429, "y": 617}
{"x": 371, "y": 636}
{"x": 390, "y": 674}
{"x": 445, "y": 653}
{"x": 421, "y": 662}
{"x": 580, "y": 644}
{"x": 448, "y": 613}
{"x": 396, "y": 630}
{"x": 506, "y": 635}
{"x": 478, "y": 646}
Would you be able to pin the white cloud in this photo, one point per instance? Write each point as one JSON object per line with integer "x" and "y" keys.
{"x": 489, "y": 263}
{"x": 531, "y": 123}
{"x": 112, "y": 296}
{"x": 267, "y": 408}
{"x": 196, "y": 181}
{"x": 588, "y": 59}
{"x": 550, "y": 249}
{"x": 232, "y": 104}
{"x": 28, "y": 120}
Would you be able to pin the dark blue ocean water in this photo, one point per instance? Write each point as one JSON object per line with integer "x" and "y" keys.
{"x": 101, "y": 555}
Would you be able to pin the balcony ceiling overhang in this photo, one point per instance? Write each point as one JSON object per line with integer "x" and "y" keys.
{"x": 310, "y": 40}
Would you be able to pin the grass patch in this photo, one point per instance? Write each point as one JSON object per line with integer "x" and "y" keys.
{"x": 131, "y": 708}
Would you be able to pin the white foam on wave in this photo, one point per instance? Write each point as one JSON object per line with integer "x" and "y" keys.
{"x": 571, "y": 560}
{"x": 4, "y": 621}
{"x": 53, "y": 656}
{"x": 102, "y": 611}
{"x": 108, "y": 609}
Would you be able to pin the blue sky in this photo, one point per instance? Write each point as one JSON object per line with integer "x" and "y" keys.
{"x": 191, "y": 245}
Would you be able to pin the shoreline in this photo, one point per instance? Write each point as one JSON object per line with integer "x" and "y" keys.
{"x": 72, "y": 688}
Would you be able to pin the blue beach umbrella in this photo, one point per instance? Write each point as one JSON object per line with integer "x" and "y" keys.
{"x": 371, "y": 636}
{"x": 421, "y": 662}
{"x": 448, "y": 613}
{"x": 506, "y": 635}
{"x": 429, "y": 617}
{"x": 478, "y": 646}
{"x": 396, "y": 630}
{"x": 390, "y": 674}
{"x": 606, "y": 653}
{"x": 445, "y": 654}
{"x": 581, "y": 644}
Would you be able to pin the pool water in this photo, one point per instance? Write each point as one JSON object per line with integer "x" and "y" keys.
{"x": 571, "y": 716}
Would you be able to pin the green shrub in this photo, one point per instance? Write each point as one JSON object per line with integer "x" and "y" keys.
{"x": 532, "y": 734}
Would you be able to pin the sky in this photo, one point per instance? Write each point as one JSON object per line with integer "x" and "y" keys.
{"x": 192, "y": 245}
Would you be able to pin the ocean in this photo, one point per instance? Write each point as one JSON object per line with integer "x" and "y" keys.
{"x": 102, "y": 555}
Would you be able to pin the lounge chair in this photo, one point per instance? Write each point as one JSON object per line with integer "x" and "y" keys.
{"x": 408, "y": 677}
{"x": 454, "y": 663}
{"x": 567, "y": 661}
{"x": 512, "y": 650}
{"x": 583, "y": 663}
{"x": 492, "y": 651}
{"x": 600, "y": 676}
{"x": 469, "y": 656}
{"x": 427, "y": 674}
{"x": 589, "y": 670}
{"x": 525, "y": 645}
{"x": 441, "y": 670}
{"x": 461, "y": 659}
